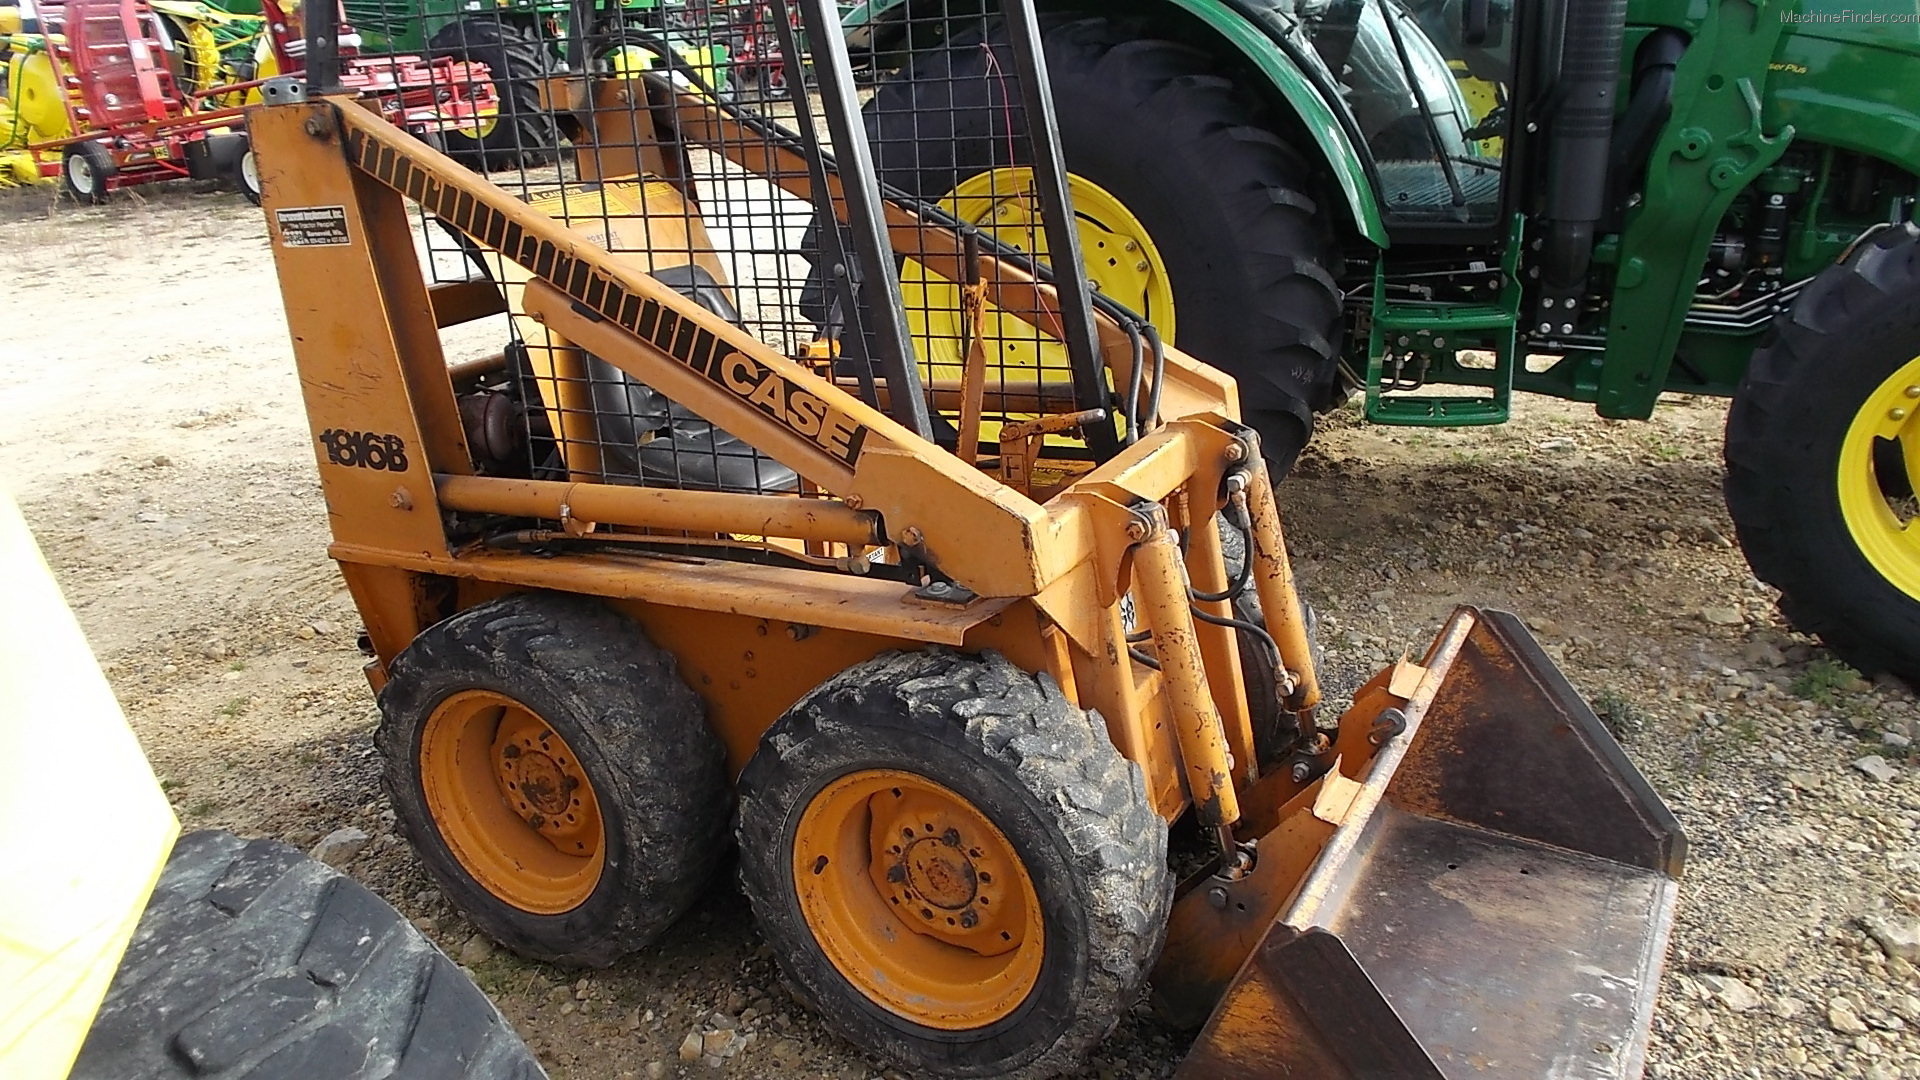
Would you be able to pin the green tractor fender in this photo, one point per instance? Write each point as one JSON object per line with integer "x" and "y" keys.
{"x": 1261, "y": 41}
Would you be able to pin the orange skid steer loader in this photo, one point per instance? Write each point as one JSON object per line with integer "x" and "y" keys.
{"x": 740, "y": 524}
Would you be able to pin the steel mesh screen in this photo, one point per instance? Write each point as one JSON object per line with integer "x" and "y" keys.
{"x": 695, "y": 140}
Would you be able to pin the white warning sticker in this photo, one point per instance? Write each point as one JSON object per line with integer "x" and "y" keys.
{"x": 313, "y": 226}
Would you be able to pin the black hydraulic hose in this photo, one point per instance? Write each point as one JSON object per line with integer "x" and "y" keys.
{"x": 1159, "y": 374}
{"x": 1258, "y": 632}
{"x": 1134, "y": 383}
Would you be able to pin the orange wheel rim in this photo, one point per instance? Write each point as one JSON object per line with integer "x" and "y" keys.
{"x": 918, "y": 899}
{"x": 512, "y": 801}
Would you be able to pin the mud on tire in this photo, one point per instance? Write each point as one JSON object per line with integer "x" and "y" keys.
{"x": 656, "y": 769}
{"x": 252, "y": 960}
{"x": 1043, "y": 771}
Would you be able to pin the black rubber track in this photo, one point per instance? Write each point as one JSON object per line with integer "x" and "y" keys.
{"x": 657, "y": 769}
{"x": 253, "y": 960}
{"x": 1248, "y": 248}
{"x": 1852, "y": 327}
{"x": 1044, "y": 771}
{"x": 515, "y": 55}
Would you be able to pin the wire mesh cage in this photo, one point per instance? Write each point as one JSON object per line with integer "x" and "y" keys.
{"x": 898, "y": 235}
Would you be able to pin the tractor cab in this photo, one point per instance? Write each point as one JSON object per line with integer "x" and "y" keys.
{"x": 1427, "y": 85}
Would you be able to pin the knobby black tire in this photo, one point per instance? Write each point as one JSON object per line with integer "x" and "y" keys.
{"x": 252, "y": 960}
{"x": 1852, "y": 327}
{"x": 1044, "y": 771}
{"x": 1249, "y": 250}
{"x": 657, "y": 769}
{"x": 524, "y": 134}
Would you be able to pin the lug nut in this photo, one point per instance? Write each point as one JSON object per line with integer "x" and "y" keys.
{"x": 1896, "y": 414}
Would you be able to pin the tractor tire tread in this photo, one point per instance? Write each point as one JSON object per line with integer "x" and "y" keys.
{"x": 1771, "y": 505}
{"x": 253, "y": 960}
{"x": 524, "y": 134}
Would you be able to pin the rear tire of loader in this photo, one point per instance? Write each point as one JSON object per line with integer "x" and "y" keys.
{"x": 555, "y": 774}
{"x": 1248, "y": 251}
{"x": 516, "y": 58}
{"x": 1031, "y": 836}
{"x": 252, "y": 960}
{"x": 1817, "y": 459}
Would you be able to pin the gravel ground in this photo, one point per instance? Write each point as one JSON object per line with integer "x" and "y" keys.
{"x": 165, "y": 467}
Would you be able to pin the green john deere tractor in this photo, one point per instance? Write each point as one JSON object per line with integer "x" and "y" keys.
{"x": 1438, "y": 202}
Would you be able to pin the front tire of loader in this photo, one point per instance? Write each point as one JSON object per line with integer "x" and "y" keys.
{"x": 954, "y": 864}
{"x": 1822, "y": 448}
{"x": 555, "y": 775}
{"x": 521, "y": 133}
{"x": 1226, "y": 204}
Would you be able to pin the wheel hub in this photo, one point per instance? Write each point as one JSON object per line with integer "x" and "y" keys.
{"x": 918, "y": 898}
{"x": 512, "y": 802}
{"x": 938, "y": 872}
{"x": 1879, "y": 461}
{"x": 1121, "y": 260}
{"x": 944, "y": 870}
{"x": 540, "y": 780}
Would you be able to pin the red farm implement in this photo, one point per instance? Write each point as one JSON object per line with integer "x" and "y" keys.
{"x": 129, "y": 122}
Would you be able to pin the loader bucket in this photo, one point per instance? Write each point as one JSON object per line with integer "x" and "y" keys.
{"x": 1491, "y": 894}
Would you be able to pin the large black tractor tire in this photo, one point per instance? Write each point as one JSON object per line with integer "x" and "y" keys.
{"x": 252, "y": 960}
{"x": 1832, "y": 359}
{"x": 511, "y": 47}
{"x": 1047, "y": 800}
{"x": 1228, "y": 202}
{"x": 579, "y": 718}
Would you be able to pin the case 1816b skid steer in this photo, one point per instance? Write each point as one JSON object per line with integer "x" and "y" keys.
{"x": 956, "y": 641}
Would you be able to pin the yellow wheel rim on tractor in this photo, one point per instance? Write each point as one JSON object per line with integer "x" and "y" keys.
{"x": 1884, "y": 533}
{"x": 512, "y": 802}
{"x": 918, "y": 899}
{"x": 1120, "y": 257}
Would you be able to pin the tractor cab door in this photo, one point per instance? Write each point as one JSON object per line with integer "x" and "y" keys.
{"x": 1428, "y": 83}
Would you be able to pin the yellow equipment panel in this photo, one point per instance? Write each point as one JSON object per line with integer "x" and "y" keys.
{"x": 84, "y": 826}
